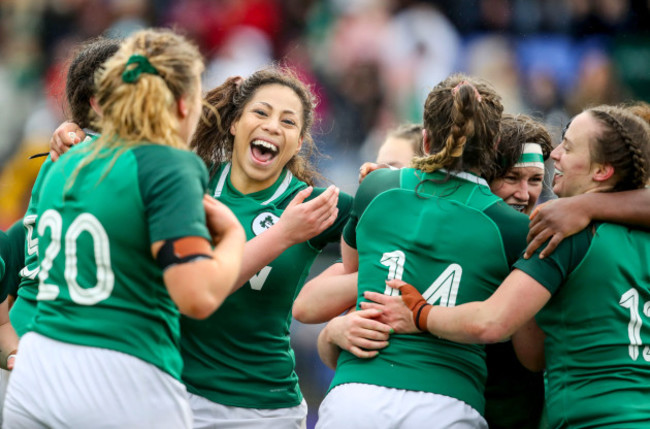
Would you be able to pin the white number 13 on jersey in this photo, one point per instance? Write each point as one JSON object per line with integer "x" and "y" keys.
{"x": 444, "y": 288}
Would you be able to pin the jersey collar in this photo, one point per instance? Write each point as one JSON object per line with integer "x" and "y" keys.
{"x": 281, "y": 185}
{"x": 473, "y": 178}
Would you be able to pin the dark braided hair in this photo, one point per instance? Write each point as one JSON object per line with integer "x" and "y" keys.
{"x": 624, "y": 143}
{"x": 80, "y": 84}
{"x": 213, "y": 141}
{"x": 461, "y": 118}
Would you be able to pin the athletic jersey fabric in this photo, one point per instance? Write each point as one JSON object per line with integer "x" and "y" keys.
{"x": 22, "y": 312}
{"x": 12, "y": 243}
{"x": 100, "y": 285}
{"x": 597, "y": 327}
{"x": 241, "y": 356}
{"x": 451, "y": 239}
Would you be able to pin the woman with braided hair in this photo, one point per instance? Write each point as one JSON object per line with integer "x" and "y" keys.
{"x": 592, "y": 293}
{"x": 560, "y": 218}
{"x": 425, "y": 223}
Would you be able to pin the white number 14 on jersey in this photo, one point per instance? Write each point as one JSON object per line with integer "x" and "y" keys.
{"x": 443, "y": 289}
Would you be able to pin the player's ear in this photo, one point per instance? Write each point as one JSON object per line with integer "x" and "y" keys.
{"x": 426, "y": 144}
{"x": 183, "y": 108}
{"x": 95, "y": 106}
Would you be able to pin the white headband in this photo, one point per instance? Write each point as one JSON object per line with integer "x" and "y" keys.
{"x": 532, "y": 156}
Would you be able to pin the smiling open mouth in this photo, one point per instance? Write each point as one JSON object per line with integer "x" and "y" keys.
{"x": 518, "y": 207}
{"x": 263, "y": 151}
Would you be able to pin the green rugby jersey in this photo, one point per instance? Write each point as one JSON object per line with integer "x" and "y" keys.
{"x": 452, "y": 240}
{"x": 12, "y": 243}
{"x": 99, "y": 284}
{"x": 23, "y": 310}
{"x": 241, "y": 355}
{"x": 597, "y": 326}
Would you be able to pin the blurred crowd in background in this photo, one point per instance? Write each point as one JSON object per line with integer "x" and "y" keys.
{"x": 371, "y": 63}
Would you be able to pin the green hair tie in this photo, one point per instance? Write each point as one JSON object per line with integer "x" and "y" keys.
{"x": 142, "y": 65}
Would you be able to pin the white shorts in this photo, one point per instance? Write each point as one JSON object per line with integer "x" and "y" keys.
{"x": 361, "y": 406}
{"x": 212, "y": 415}
{"x": 62, "y": 385}
{"x": 4, "y": 382}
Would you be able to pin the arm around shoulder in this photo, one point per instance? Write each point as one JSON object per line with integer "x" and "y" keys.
{"x": 514, "y": 303}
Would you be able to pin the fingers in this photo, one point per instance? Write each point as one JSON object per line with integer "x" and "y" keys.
{"x": 54, "y": 155}
{"x": 219, "y": 218}
{"x": 370, "y": 306}
{"x": 364, "y": 170}
{"x": 80, "y": 134}
{"x": 395, "y": 283}
{"x": 324, "y": 210}
{"x": 535, "y": 228}
{"x": 330, "y": 220}
{"x": 551, "y": 246}
{"x": 324, "y": 201}
{"x": 537, "y": 209}
{"x": 363, "y": 354}
{"x": 208, "y": 202}
{"x": 539, "y": 239}
{"x": 11, "y": 361}
{"x": 66, "y": 135}
{"x": 366, "y": 319}
{"x": 300, "y": 196}
{"x": 369, "y": 167}
{"x": 57, "y": 145}
{"x": 377, "y": 297}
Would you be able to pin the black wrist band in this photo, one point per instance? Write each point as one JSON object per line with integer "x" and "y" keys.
{"x": 417, "y": 317}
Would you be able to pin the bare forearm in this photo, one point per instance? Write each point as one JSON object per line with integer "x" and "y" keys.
{"x": 630, "y": 207}
{"x": 259, "y": 252}
{"x": 228, "y": 255}
{"x": 513, "y": 304}
{"x": 327, "y": 350}
{"x": 468, "y": 323}
{"x": 326, "y": 296}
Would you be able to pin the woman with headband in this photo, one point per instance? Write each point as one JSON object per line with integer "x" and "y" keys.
{"x": 514, "y": 395}
{"x": 591, "y": 293}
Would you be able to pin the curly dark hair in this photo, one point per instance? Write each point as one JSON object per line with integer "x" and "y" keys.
{"x": 212, "y": 139}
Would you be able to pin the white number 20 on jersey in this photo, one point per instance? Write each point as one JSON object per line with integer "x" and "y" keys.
{"x": 443, "y": 289}
{"x": 85, "y": 222}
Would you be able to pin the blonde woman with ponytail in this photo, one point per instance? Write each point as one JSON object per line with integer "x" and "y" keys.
{"x": 125, "y": 240}
{"x": 439, "y": 226}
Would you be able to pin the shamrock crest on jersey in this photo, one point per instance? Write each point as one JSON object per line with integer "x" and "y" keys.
{"x": 263, "y": 221}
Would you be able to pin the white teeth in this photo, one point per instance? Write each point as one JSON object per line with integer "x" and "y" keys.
{"x": 518, "y": 207}
{"x": 266, "y": 145}
{"x": 558, "y": 172}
